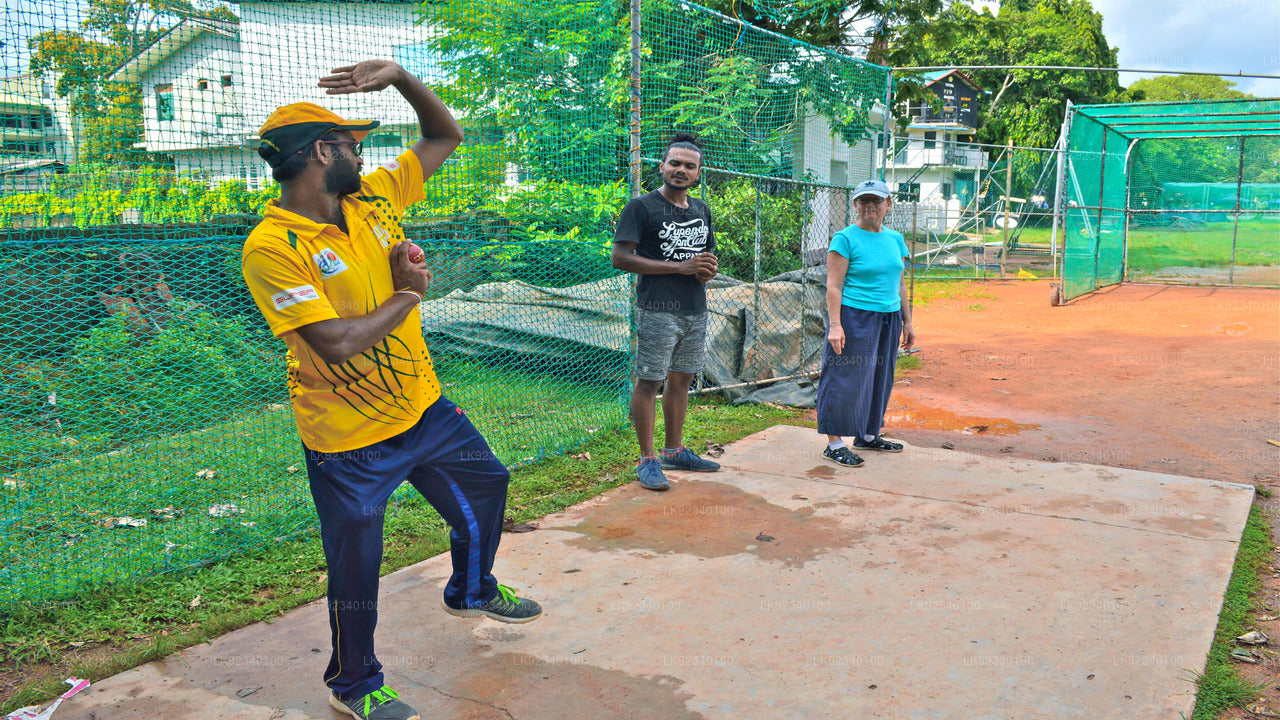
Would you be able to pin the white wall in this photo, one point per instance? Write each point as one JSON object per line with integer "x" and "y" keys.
{"x": 218, "y": 165}
{"x": 196, "y": 111}
{"x": 287, "y": 47}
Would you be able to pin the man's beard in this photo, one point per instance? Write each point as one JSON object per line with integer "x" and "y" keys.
{"x": 342, "y": 178}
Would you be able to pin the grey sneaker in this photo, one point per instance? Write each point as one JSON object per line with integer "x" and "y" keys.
{"x": 684, "y": 459}
{"x": 649, "y": 472}
{"x": 381, "y": 704}
{"x": 504, "y": 607}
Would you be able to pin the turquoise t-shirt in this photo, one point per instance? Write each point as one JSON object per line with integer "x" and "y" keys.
{"x": 875, "y": 268}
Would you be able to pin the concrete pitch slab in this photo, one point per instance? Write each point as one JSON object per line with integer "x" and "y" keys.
{"x": 926, "y": 585}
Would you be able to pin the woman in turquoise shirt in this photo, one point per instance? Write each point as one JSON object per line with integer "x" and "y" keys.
{"x": 866, "y": 323}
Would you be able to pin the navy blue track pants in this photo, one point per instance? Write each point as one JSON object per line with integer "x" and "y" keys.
{"x": 448, "y": 461}
{"x": 854, "y": 388}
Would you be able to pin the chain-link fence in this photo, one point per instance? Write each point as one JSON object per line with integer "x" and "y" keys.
{"x": 144, "y": 416}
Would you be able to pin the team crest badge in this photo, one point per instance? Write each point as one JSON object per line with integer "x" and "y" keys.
{"x": 329, "y": 263}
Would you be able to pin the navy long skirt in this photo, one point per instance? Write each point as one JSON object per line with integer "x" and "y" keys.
{"x": 853, "y": 390}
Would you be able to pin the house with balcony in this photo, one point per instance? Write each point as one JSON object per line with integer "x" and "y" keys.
{"x": 935, "y": 162}
{"x": 37, "y": 133}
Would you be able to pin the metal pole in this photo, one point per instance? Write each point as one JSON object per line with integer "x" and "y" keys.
{"x": 1080, "y": 67}
{"x": 635, "y": 99}
{"x": 1008, "y": 193}
{"x": 911, "y": 291}
{"x": 1128, "y": 208}
{"x": 1235, "y": 230}
{"x": 1102, "y": 187}
{"x": 755, "y": 285}
{"x": 890, "y": 140}
{"x": 1059, "y": 190}
{"x": 805, "y": 218}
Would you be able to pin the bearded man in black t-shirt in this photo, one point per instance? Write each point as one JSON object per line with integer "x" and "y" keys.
{"x": 666, "y": 238}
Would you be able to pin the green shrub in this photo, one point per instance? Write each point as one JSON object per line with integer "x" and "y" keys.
{"x": 195, "y": 371}
{"x": 733, "y": 211}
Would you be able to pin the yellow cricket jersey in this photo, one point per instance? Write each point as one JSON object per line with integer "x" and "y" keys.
{"x": 301, "y": 272}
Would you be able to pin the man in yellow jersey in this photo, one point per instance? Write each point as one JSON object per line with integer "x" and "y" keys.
{"x": 330, "y": 270}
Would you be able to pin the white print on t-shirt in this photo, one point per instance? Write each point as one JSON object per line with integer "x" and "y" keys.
{"x": 691, "y": 235}
{"x": 293, "y": 296}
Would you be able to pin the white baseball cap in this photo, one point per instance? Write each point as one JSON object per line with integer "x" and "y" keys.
{"x": 871, "y": 187}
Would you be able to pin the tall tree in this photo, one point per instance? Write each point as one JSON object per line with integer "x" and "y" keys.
{"x": 1026, "y": 106}
{"x": 1173, "y": 88}
{"x": 553, "y": 74}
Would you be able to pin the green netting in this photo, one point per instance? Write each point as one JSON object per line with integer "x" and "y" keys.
{"x": 1179, "y": 192}
{"x": 144, "y": 417}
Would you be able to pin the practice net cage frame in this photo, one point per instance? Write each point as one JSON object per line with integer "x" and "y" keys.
{"x": 1182, "y": 192}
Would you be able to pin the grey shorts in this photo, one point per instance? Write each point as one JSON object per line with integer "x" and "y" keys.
{"x": 667, "y": 342}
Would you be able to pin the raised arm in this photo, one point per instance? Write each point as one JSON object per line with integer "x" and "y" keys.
{"x": 441, "y": 133}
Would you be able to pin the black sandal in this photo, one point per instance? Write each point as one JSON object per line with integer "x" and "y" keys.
{"x": 842, "y": 456}
{"x": 878, "y": 444}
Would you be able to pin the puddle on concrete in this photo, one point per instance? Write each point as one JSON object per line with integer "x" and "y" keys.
{"x": 1234, "y": 329}
{"x": 711, "y": 520}
{"x": 520, "y": 685}
{"x": 902, "y": 416}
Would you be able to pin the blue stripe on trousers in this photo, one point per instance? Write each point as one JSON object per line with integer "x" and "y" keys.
{"x": 854, "y": 387}
{"x": 450, "y": 464}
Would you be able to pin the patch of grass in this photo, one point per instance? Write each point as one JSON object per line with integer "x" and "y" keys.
{"x": 932, "y": 291}
{"x": 250, "y": 471}
{"x": 976, "y": 306}
{"x": 1219, "y": 686}
{"x": 130, "y": 623}
{"x": 906, "y": 363}
{"x": 1209, "y": 245}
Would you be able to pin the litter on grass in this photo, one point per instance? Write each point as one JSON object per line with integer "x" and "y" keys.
{"x": 33, "y": 712}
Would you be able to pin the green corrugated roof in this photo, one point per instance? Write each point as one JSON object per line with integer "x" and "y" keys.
{"x": 1201, "y": 118}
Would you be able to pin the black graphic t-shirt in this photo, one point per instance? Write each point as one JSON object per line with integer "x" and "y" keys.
{"x": 663, "y": 231}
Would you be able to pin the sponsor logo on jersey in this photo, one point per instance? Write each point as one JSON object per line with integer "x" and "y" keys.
{"x": 293, "y": 296}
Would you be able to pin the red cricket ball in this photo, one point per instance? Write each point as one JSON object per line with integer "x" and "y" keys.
{"x": 416, "y": 254}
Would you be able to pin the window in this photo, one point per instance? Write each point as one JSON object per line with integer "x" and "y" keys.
{"x": 226, "y": 81}
{"x": 164, "y": 101}
{"x": 909, "y": 192}
{"x": 946, "y": 191}
{"x": 930, "y": 139}
{"x": 202, "y": 84}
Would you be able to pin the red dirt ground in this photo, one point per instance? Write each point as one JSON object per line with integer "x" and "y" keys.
{"x": 1180, "y": 380}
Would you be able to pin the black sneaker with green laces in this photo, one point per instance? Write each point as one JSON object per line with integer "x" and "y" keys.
{"x": 504, "y": 607}
{"x": 381, "y": 704}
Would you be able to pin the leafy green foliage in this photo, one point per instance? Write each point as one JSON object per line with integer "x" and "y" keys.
{"x": 1026, "y": 106}
{"x": 555, "y": 75}
{"x": 733, "y": 208}
{"x": 196, "y": 370}
{"x": 1173, "y": 88}
{"x": 542, "y": 69}
{"x": 99, "y": 194}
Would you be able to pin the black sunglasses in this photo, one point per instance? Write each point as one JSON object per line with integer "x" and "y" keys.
{"x": 357, "y": 146}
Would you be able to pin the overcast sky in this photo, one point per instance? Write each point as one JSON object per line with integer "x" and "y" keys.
{"x": 1226, "y": 36}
